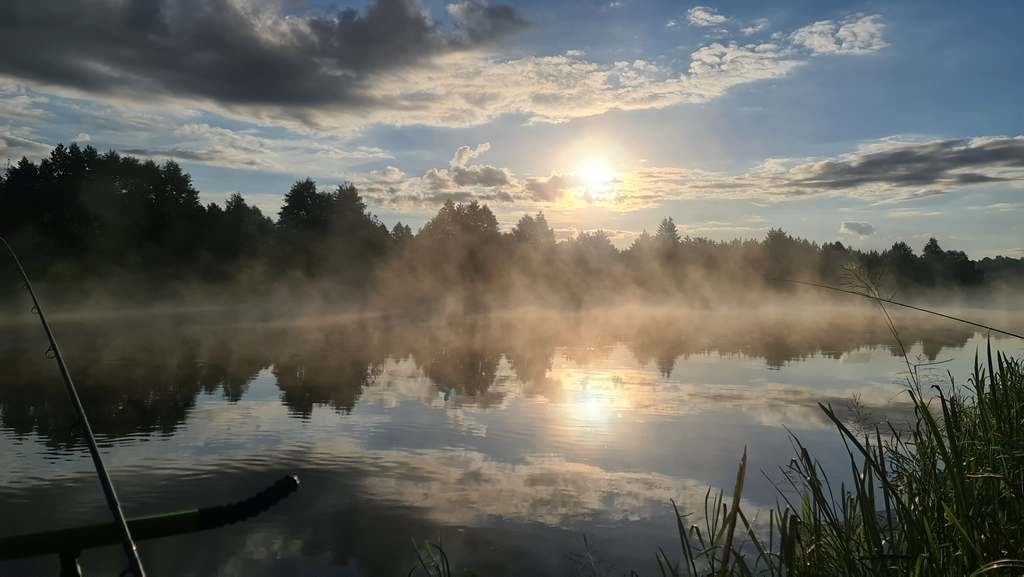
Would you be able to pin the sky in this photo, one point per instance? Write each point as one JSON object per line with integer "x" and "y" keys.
{"x": 864, "y": 122}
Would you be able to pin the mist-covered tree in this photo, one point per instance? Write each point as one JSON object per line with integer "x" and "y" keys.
{"x": 81, "y": 215}
{"x": 239, "y": 234}
{"x": 461, "y": 223}
{"x": 331, "y": 233}
{"x": 533, "y": 231}
{"x": 667, "y": 235}
{"x": 950, "y": 267}
{"x": 304, "y": 210}
{"x": 401, "y": 235}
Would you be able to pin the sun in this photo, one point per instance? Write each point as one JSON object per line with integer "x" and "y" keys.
{"x": 595, "y": 175}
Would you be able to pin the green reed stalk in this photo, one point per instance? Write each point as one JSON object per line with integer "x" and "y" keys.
{"x": 944, "y": 498}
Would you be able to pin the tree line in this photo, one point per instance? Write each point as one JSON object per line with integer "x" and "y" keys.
{"x": 80, "y": 216}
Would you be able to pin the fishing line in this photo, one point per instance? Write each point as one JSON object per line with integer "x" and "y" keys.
{"x": 897, "y": 303}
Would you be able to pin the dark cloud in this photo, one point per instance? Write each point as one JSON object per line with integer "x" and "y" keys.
{"x": 480, "y": 175}
{"x": 215, "y": 156}
{"x": 480, "y": 21}
{"x": 550, "y": 188}
{"x": 477, "y": 175}
{"x": 235, "y": 53}
{"x": 173, "y": 153}
{"x": 950, "y": 162}
{"x": 857, "y": 228}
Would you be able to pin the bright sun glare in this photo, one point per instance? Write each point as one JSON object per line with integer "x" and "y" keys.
{"x": 595, "y": 175}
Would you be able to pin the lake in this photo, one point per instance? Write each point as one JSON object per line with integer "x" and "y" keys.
{"x": 507, "y": 438}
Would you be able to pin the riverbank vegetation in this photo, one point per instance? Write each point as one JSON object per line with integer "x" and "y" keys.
{"x": 86, "y": 219}
{"x": 943, "y": 497}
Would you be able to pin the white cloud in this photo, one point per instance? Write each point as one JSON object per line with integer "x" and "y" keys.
{"x": 468, "y": 488}
{"x": 852, "y": 36}
{"x": 18, "y": 142}
{"x": 755, "y": 27}
{"x": 464, "y": 90}
{"x": 247, "y": 149}
{"x": 19, "y": 104}
{"x": 912, "y": 213}
{"x": 83, "y": 137}
{"x": 999, "y": 207}
{"x": 705, "y": 16}
{"x": 855, "y": 228}
{"x": 464, "y": 154}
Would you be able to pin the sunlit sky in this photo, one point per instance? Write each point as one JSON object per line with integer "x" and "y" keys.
{"x": 866, "y": 122}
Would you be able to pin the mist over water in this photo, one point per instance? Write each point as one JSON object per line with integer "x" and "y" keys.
{"x": 507, "y": 436}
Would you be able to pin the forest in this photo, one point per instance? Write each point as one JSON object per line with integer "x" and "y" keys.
{"x": 81, "y": 218}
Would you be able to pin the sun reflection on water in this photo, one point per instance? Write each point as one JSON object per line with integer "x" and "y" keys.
{"x": 594, "y": 397}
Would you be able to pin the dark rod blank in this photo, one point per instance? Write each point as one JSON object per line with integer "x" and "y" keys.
{"x": 135, "y": 564}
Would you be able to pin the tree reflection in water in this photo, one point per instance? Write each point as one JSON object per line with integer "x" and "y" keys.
{"x": 144, "y": 377}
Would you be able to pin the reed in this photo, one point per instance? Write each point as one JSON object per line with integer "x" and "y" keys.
{"x": 943, "y": 497}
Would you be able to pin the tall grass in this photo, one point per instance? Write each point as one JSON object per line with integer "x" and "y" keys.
{"x": 944, "y": 497}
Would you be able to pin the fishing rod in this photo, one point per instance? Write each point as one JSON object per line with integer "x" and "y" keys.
{"x": 130, "y": 550}
{"x": 897, "y": 303}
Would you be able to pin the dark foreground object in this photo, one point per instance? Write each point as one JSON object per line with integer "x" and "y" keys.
{"x": 68, "y": 543}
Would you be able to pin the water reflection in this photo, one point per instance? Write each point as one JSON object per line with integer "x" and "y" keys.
{"x": 140, "y": 378}
{"x": 508, "y": 436}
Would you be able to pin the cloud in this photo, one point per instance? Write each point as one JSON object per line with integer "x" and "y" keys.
{"x": 17, "y": 103}
{"x": 755, "y": 27}
{"x": 720, "y": 229}
{"x": 1007, "y": 252}
{"x": 852, "y": 36}
{"x": 912, "y": 213}
{"x": 463, "y": 175}
{"x": 883, "y": 172}
{"x": 318, "y": 72}
{"x": 461, "y": 181}
{"x": 998, "y": 207}
{"x": 464, "y": 90}
{"x": 467, "y": 488}
{"x": 248, "y": 150}
{"x": 464, "y": 154}
{"x": 481, "y": 175}
{"x": 481, "y": 22}
{"x": 16, "y": 143}
{"x": 233, "y": 52}
{"x": 83, "y": 137}
{"x": 705, "y": 16}
{"x": 550, "y": 188}
{"x": 855, "y": 228}
{"x": 919, "y": 167}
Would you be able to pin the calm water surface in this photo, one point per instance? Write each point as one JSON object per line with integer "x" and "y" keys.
{"x": 507, "y": 438}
